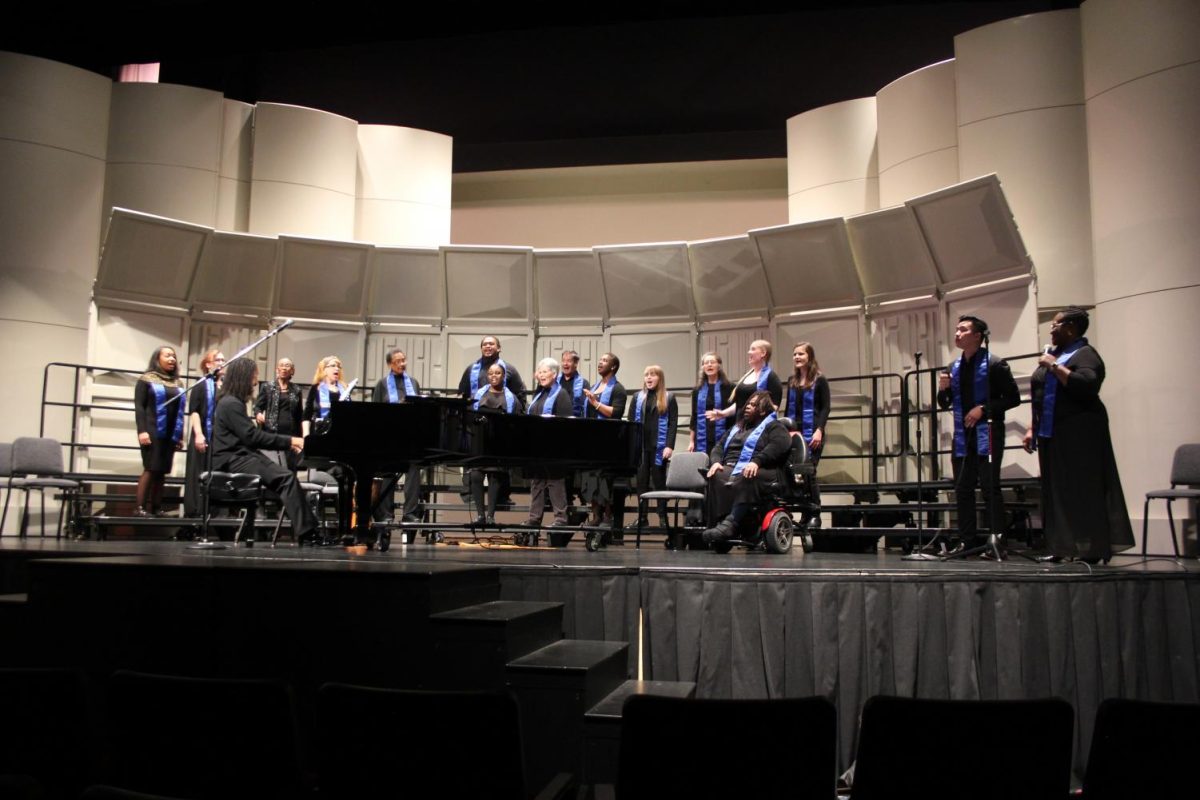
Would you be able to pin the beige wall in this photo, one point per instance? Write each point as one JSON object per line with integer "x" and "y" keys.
{"x": 587, "y": 206}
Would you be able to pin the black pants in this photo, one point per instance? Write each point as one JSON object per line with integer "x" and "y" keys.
{"x": 412, "y": 496}
{"x": 649, "y": 473}
{"x": 475, "y": 482}
{"x": 280, "y": 481}
{"x": 971, "y": 471}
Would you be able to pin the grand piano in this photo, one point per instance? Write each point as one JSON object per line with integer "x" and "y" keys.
{"x": 370, "y": 439}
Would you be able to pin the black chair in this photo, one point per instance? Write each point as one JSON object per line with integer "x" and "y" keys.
{"x": 241, "y": 492}
{"x": 1185, "y": 472}
{"x": 47, "y": 732}
{"x": 395, "y": 742}
{"x": 992, "y": 749}
{"x": 203, "y": 738}
{"x": 674, "y": 747}
{"x": 1142, "y": 749}
{"x": 37, "y": 463}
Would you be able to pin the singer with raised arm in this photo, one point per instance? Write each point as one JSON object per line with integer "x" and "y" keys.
{"x": 236, "y": 441}
{"x": 1083, "y": 508}
{"x": 978, "y": 387}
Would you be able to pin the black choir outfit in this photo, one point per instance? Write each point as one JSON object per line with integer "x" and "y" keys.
{"x": 283, "y": 412}
{"x": 574, "y": 388}
{"x": 552, "y": 402}
{"x": 809, "y": 409}
{"x": 236, "y": 442}
{"x": 393, "y": 388}
{"x": 751, "y": 383}
{"x": 967, "y": 390}
{"x": 1083, "y": 507}
{"x": 504, "y": 402}
{"x": 160, "y": 417}
{"x": 315, "y": 408}
{"x": 202, "y": 401}
{"x": 714, "y": 396}
{"x": 595, "y": 487}
{"x": 657, "y": 435}
{"x": 770, "y": 453}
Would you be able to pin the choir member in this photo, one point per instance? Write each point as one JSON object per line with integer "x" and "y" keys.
{"x": 160, "y": 417}
{"x": 327, "y": 389}
{"x": 808, "y": 406}
{"x": 202, "y": 402}
{"x": 713, "y": 392}
{"x": 280, "y": 409}
{"x": 493, "y": 396}
{"x": 548, "y": 401}
{"x": 605, "y": 400}
{"x": 759, "y": 377}
{"x": 396, "y": 387}
{"x": 655, "y": 409}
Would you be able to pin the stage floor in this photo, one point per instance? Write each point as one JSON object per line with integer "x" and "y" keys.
{"x": 652, "y": 556}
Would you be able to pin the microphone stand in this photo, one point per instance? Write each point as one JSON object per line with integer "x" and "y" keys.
{"x": 204, "y": 542}
{"x": 919, "y": 553}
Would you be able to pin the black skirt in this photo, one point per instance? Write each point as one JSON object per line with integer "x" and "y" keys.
{"x": 158, "y": 456}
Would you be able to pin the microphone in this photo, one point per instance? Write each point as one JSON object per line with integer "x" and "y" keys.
{"x": 917, "y": 355}
{"x": 1046, "y": 350}
{"x": 287, "y": 323}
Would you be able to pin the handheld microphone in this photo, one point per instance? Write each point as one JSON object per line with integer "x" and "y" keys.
{"x": 287, "y": 323}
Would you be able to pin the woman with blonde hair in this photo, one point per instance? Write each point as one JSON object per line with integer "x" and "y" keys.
{"x": 758, "y": 378}
{"x": 327, "y": 389}
{"x": 655, "y": 409}
{"x": 713, "y": 392}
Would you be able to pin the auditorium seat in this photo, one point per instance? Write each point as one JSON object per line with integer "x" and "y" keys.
{"x": 950, "y": 749}
{"x": 1142, "y": 749}
{"x": 203, "y": 738}
{"x": 47, "y": 733}
{"x": 676, "y": 747}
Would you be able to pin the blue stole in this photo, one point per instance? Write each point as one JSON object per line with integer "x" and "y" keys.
{"x": 660, "y": 443}
{"x": 210, "y": 392}
{"x": 323, "y": 397}
{"x": 701, "y": 422}
{"x": 1046, "y": 422}
{"x": 478, "y": 366}
{"x": 605, "y": 397}
{"x": 550, "y": 395}
{"x": 748, "y": 445}
{"x": 160, "y": 413}
{"x": 805, "y": 404}
{"x": 510, "y": 400}
{"x": 577, "y": 404}
{"x": 983, "y": 437}
{"x": 762, "y": 377}
{"x": 393, "y": 395}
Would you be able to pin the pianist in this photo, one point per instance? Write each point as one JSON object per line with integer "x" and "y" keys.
{"x": 549, "y": 401}
{"x": 396, "y": 387}
{"x": 236, "y": 442}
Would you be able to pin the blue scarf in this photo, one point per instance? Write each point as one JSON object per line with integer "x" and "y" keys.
{"x": 475, "y": 370}
{"x": 701, "y": 422}
{"x": 393, "y": 394}
{"x": 1050, "y": 395}
{"x": 578, "y": 384}
{"x": 550, "y": 395}
{"x": 605, "y": 396}
{"x": 323, "y": 396}
{"x": 762, "y": 377}
{"x": 160, "y": 413}
{"x": 660, "y": 443}
{"x": 510, "y": 399}
{"x": 983, "y": 439}
{"x": 805, "y": 404}
{"x": 209, "y": 407}
{"x": 749, "y": 445}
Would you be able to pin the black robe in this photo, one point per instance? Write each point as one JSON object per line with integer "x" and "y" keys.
{"x": 1083, "y": 507}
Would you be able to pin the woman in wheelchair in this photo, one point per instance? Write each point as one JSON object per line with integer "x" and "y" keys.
{"x": 747, "y": 458}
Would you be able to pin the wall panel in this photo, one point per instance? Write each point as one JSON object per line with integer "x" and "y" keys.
{"x": 832, "y": 161}
{"x": 918, "y": 136}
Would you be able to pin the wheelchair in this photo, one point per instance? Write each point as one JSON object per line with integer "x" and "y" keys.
{"x": 770, "y": 526}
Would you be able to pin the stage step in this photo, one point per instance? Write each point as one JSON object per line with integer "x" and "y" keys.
{"x": 474, "y": 645}
{"x": 602, "y": 726}
{"x": 14, "y": 628}
{"x": 555, "y": 686}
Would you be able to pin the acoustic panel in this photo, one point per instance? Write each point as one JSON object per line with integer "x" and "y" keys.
{"x": 149, "y": 258}
{"x": 674, "y": 351}
{"x": 488, "y": 283}
{"x": 727, "y": 279}
{"x": 425, "y": 357}
{"x": 307, "y": 346}
{"x": 890, "y": 255}
{"x": 236, "y": 273}
{"x": 321, "y": 279}
{"x": 407, "y": 285}
{"x": 462, "y": 349}
{"x": 971, "y": 233}
{"x": 808, "y": 266}
{"x": 569, "y": 287}
{"x": 647, "y": 282}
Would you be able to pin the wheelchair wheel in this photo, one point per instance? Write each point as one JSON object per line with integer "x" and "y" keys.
{"x": 778, "y": 535}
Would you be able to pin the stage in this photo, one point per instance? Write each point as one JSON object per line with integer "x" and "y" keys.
{"x": 846, "y": 626}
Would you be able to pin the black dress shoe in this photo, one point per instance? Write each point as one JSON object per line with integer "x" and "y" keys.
{"x": 480, "y": 521}
{"x": 1050, "y": 558}
{"x": 411, "y": 519}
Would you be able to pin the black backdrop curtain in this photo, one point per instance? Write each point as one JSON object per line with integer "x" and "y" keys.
{"x": 1082, "y": 637}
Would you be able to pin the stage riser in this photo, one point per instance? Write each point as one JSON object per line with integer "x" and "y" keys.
{"x": 848, "y": 638}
